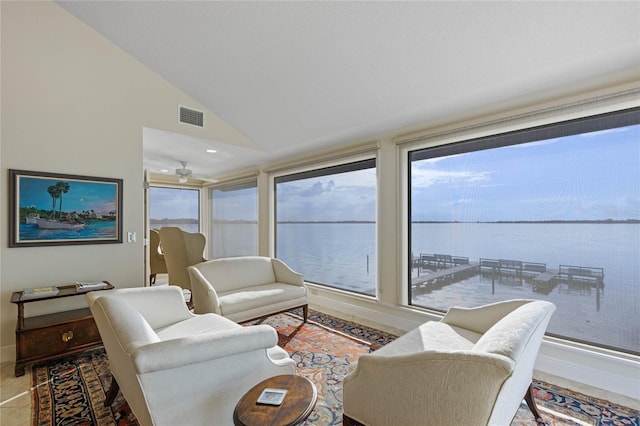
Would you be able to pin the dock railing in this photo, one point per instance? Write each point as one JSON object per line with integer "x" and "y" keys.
{"x": 517, "y": 266}
{"x": 535, "y": 268}
{"x": 582, "y": 273}
{"x": 441, "y": 260}
{"x": 500, "y": 264}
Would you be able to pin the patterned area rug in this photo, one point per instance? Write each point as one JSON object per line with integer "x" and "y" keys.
{"x": 70, "y": 391}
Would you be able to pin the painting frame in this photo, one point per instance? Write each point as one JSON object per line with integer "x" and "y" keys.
{"x": 57, "y": 209}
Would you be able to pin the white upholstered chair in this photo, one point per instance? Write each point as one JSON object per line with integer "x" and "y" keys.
{"x": 181, "y": 250}
{"x": 174, "y": 367}
{"x": 157, "y": 264}
{"x": 471, "y": 368}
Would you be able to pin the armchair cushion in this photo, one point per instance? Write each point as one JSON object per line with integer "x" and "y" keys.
{"x": 248, "y": 298}
{"x": 432, "y": 336}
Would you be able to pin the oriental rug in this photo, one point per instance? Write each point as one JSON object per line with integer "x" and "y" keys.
{"x": 70, "y": 391}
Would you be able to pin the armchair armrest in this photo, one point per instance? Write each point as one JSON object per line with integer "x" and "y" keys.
{"x": 286, "y": 275}
{"x": 460, "y": 360}
{"x": 204, "y": 296}
{"x": 424, "y": 388}
{"x": 175, "y": 353}
{"x": 481, "y": 318}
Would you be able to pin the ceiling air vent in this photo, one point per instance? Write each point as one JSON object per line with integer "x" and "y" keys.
{"x": 190, "y": 116}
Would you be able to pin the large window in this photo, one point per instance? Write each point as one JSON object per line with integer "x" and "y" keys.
{"x": 234, "y": 218}
{"x": 548, "y": 213}
{"x": 174, "y": 207}
{"x": 325, "y": 225}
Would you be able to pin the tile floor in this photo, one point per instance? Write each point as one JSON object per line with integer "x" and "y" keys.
{"x": 15, "y": 396}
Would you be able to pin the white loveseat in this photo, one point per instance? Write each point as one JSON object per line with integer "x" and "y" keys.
{"x": 177, "y": 368}
{"x": 246, "y": 287}
{"x": 471, "y": 368}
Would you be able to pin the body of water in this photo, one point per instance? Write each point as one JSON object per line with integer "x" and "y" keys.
{"x": 343, "y": 255}
{"x": 97, "y": 229}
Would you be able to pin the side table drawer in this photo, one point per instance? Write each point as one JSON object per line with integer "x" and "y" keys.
{"x": 49, "y": 336}
{"x": 57, "y": 339}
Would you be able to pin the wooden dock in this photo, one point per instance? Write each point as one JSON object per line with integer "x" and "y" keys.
{"x": 442, "y": 270}
{"x": 443, "y": 273}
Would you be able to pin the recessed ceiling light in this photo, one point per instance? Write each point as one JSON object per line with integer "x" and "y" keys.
{"x": 164, "y": 170}
{"x": 212, "y": 151}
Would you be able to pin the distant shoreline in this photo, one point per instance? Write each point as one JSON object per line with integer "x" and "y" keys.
{"x": 606, "y": 221}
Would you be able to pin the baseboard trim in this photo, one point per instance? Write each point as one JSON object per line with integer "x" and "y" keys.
{"x": 8, "y": 353}
{"x": 607, "y": 372}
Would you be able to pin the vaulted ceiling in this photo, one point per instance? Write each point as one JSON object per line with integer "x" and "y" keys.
{"x": 297, "y": 76}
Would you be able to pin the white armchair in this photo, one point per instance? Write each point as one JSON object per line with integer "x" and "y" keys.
{"x": 471, "y": 368}
{"x": 174, "y": 367}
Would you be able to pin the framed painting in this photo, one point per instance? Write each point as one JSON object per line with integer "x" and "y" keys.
{"x": 60, "y": 209}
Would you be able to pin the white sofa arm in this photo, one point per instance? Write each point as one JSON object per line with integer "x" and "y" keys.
{"x": 481, "y": 318}
{"x": 436, "y": 388}
{"x": 204, "y": 296}
{"x": 284, "y": 274}
{"x": 377, "y": 364}
{"x": 174, "y": 353}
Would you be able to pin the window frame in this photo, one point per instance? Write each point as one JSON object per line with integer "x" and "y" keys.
{"x": 466, "y": 144}
{"x": 181, "y": 188}
{"x": 364, "y": 160}
{"x": 233, "y": 185}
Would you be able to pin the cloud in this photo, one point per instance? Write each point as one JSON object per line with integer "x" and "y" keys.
{"x": 424, "y": 178}
{"x": 317, "y": 189}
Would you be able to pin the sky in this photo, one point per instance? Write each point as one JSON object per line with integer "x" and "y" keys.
{"x": 594, "y": 176}
{"x": 172, "y": 203}
{"x": 82, "y": 195}
{"x": 338, "y": 197}
{"x": 237, "y": 204}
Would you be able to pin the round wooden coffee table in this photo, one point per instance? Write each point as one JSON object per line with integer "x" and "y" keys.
{"x": 295, "y": 408}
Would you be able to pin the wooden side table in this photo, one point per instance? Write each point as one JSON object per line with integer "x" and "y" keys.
{"x": 298, "y": 403}
{"x": 50, "y": 336}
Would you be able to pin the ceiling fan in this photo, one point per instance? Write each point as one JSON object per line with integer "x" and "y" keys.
{"x": 185, "y": 174}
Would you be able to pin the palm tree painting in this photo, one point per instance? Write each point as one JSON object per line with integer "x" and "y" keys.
{"x": 64, "y": 209}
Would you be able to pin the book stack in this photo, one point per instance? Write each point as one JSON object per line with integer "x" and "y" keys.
{"x": 84, "y": 286}
{"x": 38, "y": 292}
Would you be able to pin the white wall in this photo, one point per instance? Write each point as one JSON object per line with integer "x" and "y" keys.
{"x": 72, "y": 102}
